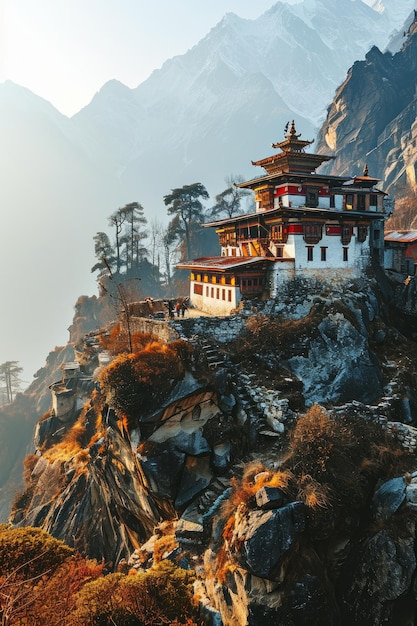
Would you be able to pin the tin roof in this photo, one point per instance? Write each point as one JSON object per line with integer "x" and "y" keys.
{"x": 295, "y": 212}
{"x": 401, "y": 236}
{"x": 221, "y": 263}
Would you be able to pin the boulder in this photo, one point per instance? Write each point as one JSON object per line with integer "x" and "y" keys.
{"x": 329, "y": 378}
{"x": 382, "y": 573}
{"x": 269, "y": 498}
{"x": 388, "y": 498}
{"x": 267, "y": 536}
{"x": 197, "y": 475}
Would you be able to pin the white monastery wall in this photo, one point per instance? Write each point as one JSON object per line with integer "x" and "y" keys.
{"x": 357, "y": 253}
{"x": 215, "y": 299}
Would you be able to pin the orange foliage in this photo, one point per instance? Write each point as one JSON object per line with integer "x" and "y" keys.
{"x": 72, "y": 443}
{"x": 136, "y": 383}
{"x": 256, "y": 476}
{"x": 117, "y": 341}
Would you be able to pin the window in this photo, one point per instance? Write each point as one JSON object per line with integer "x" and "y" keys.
{"x": 218, "y": 293}
{"x": 345, "y": 254}
{"x": 279, "y": 232}
{"x": 280, "y": 252}
{"x": 323, "y": 253}
{"x": 332, "y": 201}
{"x": 346, "y": 234}
{"x": 223, "y": 294}
{"x": 360, "y": 202}
{"x": 212, "y": 292}
{"x": 207, "y": 292}
{"x": 198, "y": 289}
{"x": 312, "y": 198}
{"x": 373, "y": 200}
{"x": 265, "y": 198}
{"x": 349, "y": 201}
{"x": 312, "y": 233}
{"x": 362, "y": 233}
{"x": 310, "y": 253}
{"x": 229, "y": 295}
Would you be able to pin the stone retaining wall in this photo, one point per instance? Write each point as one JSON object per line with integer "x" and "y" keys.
{"x": 221, "y": 329}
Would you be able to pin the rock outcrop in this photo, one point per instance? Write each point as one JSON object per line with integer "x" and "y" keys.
{"x": 210, "y": 450}
{"x": 372, "y": 118}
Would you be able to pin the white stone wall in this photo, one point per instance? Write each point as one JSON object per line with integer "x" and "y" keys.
{"x": 218, "y": 305}
{"x": 289, "y": 248}
{"x": 279, "y": 273}
{"x": 63, "y": 402}
{"x": 297, "y": 200}
{"x": 358, "y": 254}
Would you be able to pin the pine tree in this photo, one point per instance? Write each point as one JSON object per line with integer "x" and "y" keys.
{"x": 9, "y": 376}
{"x": 185, "y": 205}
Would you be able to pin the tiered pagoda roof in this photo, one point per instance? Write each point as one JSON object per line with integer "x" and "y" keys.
{"x": 292, "y": 158}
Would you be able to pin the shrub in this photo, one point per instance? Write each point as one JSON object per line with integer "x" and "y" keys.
{"x": 162, "y": 595}
{"x": 336, "y": 462}
{"x": 51, "y": 599}
{"x": 29, "y": 552}
{"x": 136, "y": 383}
{"x": 117, "y": 340}
{"x": 266, "y": 332}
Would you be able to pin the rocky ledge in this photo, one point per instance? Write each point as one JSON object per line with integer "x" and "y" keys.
{"x": 273, "y": 451}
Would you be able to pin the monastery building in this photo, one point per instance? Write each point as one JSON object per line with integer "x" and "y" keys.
{"x": 305, "y": 224}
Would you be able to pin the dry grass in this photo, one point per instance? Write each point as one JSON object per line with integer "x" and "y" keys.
{"x": 117, "y": 341}
{"x": 266, "y": 333}
{"x": 165, "y": 541}
{"x": 314, "y": 494}
{"x": 256, "y": 476}
{"x": 71, "y": 445}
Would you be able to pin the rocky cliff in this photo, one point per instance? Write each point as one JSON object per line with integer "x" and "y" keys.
{"x": 372, "y": 117}
{"x": 208, "y": 447}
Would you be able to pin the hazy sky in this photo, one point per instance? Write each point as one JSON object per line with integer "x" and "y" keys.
{"x": 65, "y": 50}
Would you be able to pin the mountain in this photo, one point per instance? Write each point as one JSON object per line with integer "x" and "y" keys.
{"x": 210, "y": 450}
{"x": 372, "y": 118}
{"x": 201, "y": 117}
{"x": 54, "y": 195}
{"x": 212, "y": 109}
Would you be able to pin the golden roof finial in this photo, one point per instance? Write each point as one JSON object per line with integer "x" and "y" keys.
{"x": 293, "y": 133}
{"x": 365, "y": 170}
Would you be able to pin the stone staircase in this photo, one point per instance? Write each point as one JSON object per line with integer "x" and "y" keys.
{"x": 243, "y": 389}
{"x": 193, "y": 529}
{"x": 210, "y": 355}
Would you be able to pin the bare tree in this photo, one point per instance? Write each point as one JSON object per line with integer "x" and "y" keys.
{"x": 156, "y": 237}
{"x": 169, "y": 244}
{"x": 229, "y": 201}
{"x": 117, "y": 219}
